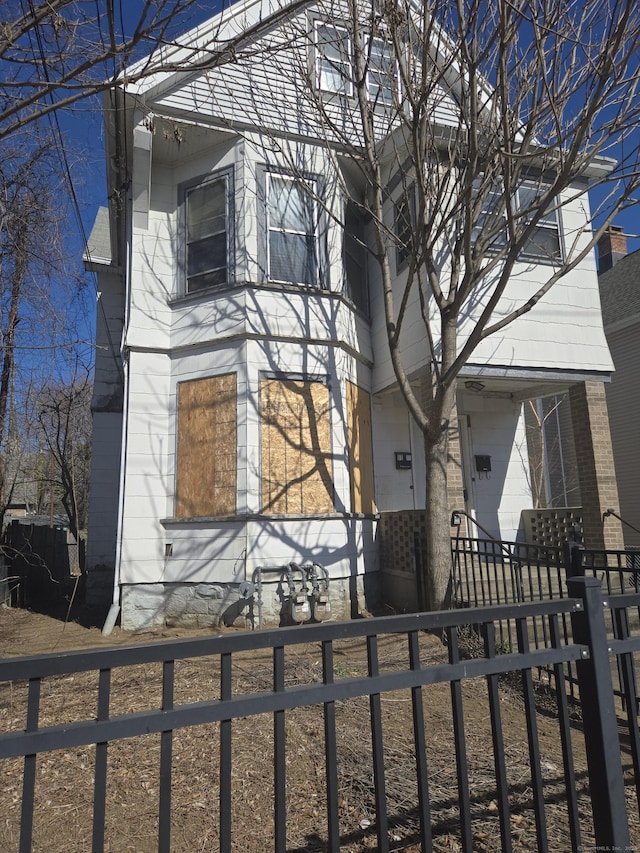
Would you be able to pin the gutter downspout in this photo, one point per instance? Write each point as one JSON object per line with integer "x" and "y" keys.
{"x": 114, "y": 610}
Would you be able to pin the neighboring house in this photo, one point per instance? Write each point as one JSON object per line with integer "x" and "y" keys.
{"x": 246, "y": 413}
{"x": 620, "y": 297}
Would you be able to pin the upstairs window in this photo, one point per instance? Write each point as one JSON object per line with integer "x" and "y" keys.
{"x": 334, "y": 64}
{"x": 355, "y": 257}
{"x": 382, "y": 73}
{"x": 207, "y": 234}
{"x": 333, "y": 59}
{"x": 544, "y": 243}
{"x": 404, "y": 226}
{"x": 492, "y": 218}
{"x": 292, "y": 231}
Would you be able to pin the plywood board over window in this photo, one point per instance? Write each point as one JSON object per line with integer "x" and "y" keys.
{"x": 206, "y": 452}
{"x": 296, "y": 447}
{"x": 360, "y": 449}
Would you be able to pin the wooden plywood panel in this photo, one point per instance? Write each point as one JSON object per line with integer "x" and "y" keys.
{"x": 296, "y": 447}
{"x": 360, "y": 449}
{"x": 206, "y": 453}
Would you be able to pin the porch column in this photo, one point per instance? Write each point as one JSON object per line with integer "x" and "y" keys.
{"x": 596, "y": 472}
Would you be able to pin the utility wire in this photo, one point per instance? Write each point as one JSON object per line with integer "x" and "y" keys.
{"x": 61, "y": 149}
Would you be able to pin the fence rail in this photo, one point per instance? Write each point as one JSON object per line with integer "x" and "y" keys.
{"x": 488, "y": 571}
{"x": 364, "y": 670}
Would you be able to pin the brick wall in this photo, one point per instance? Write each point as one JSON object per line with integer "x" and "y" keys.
{"x": 594, "y": 458}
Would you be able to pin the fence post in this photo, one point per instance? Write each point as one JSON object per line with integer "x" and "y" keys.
{"x": 573, "y": 553}
{"x": 606, "y": 781}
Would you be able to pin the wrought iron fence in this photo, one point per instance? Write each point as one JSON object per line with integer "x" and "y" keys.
{"x": 488, "y": 571}
{"x": 364, "y": 670}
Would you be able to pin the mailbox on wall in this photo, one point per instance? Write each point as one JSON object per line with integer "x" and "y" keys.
{"x": 403, "y": 460}
{"x": 483, "y": 464}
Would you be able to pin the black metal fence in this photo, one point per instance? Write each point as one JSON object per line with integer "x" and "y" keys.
{"x": 399, "y": 740}
{"x": 487, "y": 572}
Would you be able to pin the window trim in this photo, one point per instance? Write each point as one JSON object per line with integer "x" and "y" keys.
{"x": 184, "y": 189}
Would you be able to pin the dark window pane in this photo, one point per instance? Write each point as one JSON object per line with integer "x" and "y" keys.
{"x": 207, "y": 235}
{"x": 208, "y": 279}
{"x": 207, "y": 209}
{"x": 355, "y": 259}
{"x": 291, "y": 258}
{"x": 207, "y": 254}
{"x": 544, "y": 243}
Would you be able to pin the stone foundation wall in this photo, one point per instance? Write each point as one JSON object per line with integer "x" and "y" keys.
{"x": 209, "y": 605}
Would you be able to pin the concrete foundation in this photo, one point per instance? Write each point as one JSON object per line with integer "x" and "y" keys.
{"x": 209, "y": 605}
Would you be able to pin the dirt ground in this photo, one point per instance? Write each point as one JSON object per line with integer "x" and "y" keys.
{"x": 64, "y": 780}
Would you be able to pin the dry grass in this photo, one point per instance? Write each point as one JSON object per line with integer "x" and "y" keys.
{"x": 64, "y": 787}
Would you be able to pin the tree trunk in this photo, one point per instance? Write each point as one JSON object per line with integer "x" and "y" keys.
{"x": 435, "y": 582}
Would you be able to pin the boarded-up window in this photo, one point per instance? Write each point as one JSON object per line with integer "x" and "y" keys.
{"x": 296, "y": 447}
{"x": 360, "y": 449}
{"x": 206, "y": 452}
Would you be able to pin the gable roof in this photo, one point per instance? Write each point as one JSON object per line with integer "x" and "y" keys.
{"x": 210, "y": 45}
{"x": 620, "y": 291}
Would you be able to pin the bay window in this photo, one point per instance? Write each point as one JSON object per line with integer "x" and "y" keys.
{"x": 292, "y": 223}
{"x": 207, "y": 207}
{"x": 297, "y": 477}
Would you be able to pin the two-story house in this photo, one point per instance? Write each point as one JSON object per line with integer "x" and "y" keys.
{"x": 246, "y": 411}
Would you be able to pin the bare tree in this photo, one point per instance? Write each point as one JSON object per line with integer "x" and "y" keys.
{"x": 40, "y": 292}
{"x": 65, "y": 419}
{"x": 549, "y": 456}
{"x": 55, "y": 53}
{"x": 459, "y": 131}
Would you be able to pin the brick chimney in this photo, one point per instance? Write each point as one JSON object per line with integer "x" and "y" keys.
{"x": 612, "y": 247}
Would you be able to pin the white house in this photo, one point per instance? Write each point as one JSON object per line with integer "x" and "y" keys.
{"x": 246, "y": 412}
